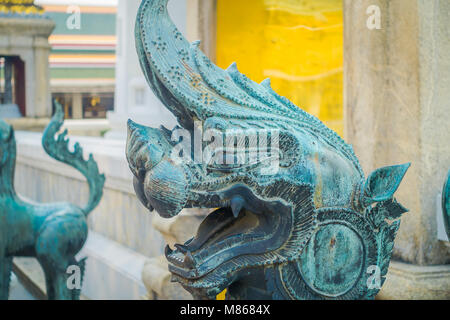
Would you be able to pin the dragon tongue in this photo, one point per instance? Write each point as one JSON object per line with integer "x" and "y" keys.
{"x": 212, "y": 224}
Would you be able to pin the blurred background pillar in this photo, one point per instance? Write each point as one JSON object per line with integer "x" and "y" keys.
{"x": 8, "y": 94}
{"x": 397, "y": 110}
{"x": 202, "y": 25}
{"x": 133, "y": 97}
{"x": 24, "y": 32}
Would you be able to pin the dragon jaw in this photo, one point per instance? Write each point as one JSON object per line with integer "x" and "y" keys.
{"x": 241, "y": 231}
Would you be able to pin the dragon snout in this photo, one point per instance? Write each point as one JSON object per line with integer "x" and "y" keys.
{"x": 159, "y": 183}
{"x": 144, "y": 148}
{"x": 166, "y": 188}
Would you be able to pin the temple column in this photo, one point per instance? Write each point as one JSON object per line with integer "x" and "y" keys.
{"x": 77, "y": 106}
{"x": 202, "y": 25}
{"x": 8, "y": 103}
{"x": 397, "y": 75}
{"x": 42, "y": 105}
{"x": 8, "y": 95}
{"x": 24, "y": 32}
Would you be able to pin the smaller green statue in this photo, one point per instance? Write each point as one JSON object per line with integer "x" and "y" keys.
{"x": 53, "y": 233}
{"x": 446, "y": 205}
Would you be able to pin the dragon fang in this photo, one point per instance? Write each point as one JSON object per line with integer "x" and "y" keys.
{"x": 310, "y": 230}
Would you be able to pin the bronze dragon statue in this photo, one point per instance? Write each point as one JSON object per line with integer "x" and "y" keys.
{"x": 53, "y": 233}
{"x": 297, "y": 222}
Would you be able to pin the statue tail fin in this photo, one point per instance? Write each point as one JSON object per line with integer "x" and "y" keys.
{"x": 59, "y": 150}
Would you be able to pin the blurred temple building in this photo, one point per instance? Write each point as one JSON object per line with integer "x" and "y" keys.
{"x": 82, "y": 58}
{"x": 24, "y": 50}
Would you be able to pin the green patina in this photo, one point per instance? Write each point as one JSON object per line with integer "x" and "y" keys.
{"x": 313, "y": 228}
{"x": 53, "y": 233}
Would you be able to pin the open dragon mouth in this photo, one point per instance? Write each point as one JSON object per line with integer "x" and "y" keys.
{"x": 222, "y": 241}
{"x": 240, "y": 236}
{"x": 231, "y": 240}
{"x": 220, "y": 238}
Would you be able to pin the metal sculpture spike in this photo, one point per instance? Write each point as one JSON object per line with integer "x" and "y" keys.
{"x": 296, "y": 218}
{"x": 53, "y": 233}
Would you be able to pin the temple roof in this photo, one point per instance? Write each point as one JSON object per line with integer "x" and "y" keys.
{"x": 20, "y": 8}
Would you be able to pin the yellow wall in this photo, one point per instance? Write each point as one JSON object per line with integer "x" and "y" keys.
{"x": 296, "y": 43}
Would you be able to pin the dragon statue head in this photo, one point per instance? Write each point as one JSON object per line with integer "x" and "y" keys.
{"x": 292, "y": 215}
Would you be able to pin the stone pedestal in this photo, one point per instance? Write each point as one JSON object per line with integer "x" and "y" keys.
{"x": 396, "y": 96}
{"x": 156, "y": 278}
{"x": 155, "y": 274}
{"x": 411, "y": 282}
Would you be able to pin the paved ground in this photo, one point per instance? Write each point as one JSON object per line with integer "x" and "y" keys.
{"x": 17, "y": 290}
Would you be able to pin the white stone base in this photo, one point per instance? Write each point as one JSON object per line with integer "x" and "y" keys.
{"x": 412, "y": 282}
{"x": 157, "y": 279}
{"x": 113, "y": 272}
